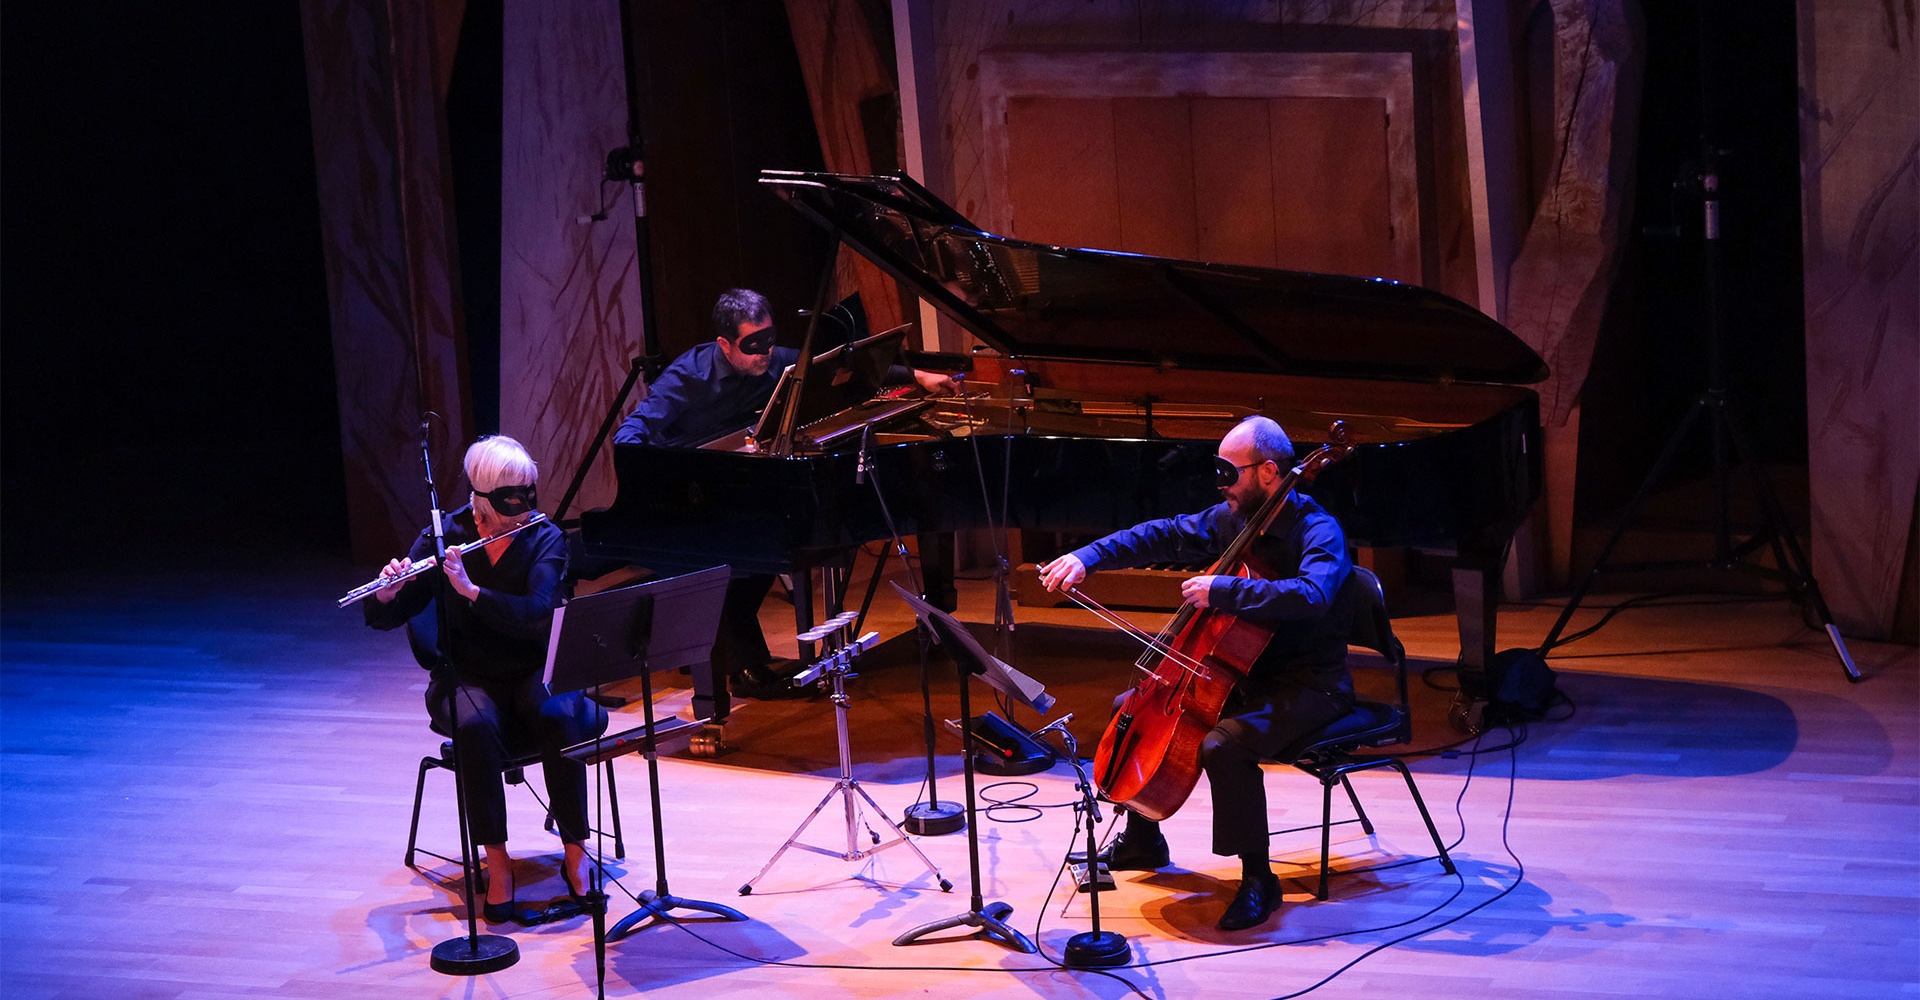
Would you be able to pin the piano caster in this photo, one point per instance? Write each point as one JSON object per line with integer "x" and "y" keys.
{"x": 710, "y": 741}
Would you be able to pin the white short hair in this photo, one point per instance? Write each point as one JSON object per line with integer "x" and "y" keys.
{"x": 498, "y": 460}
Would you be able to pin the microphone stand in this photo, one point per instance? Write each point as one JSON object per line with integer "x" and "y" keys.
{"x": 932, "y": 817}
{"x": 1093, "y": 948}
{"x": 476, "y": 954}
{"x": 1003, "y": 623}
{"x": 988, "y": 919}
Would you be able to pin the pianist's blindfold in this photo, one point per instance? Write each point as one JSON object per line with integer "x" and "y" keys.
{"x": 757, "y": 342}
{"x": 511, "y": 501}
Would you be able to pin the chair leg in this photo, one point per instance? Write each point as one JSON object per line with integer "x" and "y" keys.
{"x": 419, "y": 790}
{"x": 1365, "y": 823}
{"x": 1445, "y": 860}
{"x": 1326, "y": 834}
{"x": 613, "y": 801}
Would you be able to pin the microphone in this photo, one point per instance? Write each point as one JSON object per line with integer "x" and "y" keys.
{"x": 861, "y": 468}
{"x": 1057, "y": 725}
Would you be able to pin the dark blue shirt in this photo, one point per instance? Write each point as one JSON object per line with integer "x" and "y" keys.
{"x": 1307, "y": 554}
{"x": 700, "y": 397}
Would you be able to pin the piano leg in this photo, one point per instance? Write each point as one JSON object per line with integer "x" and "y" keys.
{"x": 1476, "y": 609}
{"x": 803, "y": 608}
{"x": 936, "y": 570}
{"x": 1476, "y": 602}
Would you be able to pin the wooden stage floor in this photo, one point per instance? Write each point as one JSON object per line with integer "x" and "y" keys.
{"x": 205, "y": 783}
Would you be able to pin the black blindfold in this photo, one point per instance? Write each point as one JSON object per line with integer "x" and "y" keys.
{"x": 1226, "y": 473}
{"x": 757, "y": 342}
{"x": 512, "y": 501}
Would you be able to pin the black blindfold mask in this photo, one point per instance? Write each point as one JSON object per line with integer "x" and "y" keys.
{"x": 757, "y": 342}
{"x": 511, "y": 501}
{"x": 1226, "y": 473}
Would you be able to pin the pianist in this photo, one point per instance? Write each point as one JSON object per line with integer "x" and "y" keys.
{"x": 714, "y": 389}
{"x": 1298, "y": 684}
{"x": 501, "y": 610}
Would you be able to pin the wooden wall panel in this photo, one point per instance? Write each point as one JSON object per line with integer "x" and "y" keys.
{"x": 1860, "y": 167}
{"x": 1061, "y": 172}
{"x": 1228, "y": 180}
{"x": 1233, "y": 181}
{"x": 1153, "y": 140}
{"x": 569, "y": 294}
{"x": 1232, "y": 147}
{"x": 1331, "y": 187}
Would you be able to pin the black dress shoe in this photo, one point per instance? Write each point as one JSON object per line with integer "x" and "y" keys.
{"x": 1125, "y": 855}
{"x": 1257, "y": 899}
{"x": 580, "y": 895}
{"x": 496, "y": 913}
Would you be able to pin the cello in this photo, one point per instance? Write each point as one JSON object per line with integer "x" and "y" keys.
{"x": 1149, "y": 756}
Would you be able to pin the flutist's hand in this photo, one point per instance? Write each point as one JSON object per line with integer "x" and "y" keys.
{"x": 1063, "y": 573}
{"x": 457, "y": 575}
{"x": 395, "y": 567}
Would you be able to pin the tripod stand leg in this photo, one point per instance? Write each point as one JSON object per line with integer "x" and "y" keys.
{"x": 1654, "y": 476}
{"x": 900, "y": 837}
{"x": 747, "y": 889}
{"x": 1786, "y": 544}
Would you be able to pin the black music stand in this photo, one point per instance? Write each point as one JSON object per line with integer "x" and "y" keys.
{"x": 638, "y": 631}
{"x": 970, "y": 658}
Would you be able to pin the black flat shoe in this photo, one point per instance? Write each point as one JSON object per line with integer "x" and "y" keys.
{"x": 1125, "y": 855}
{"x": 1257, "y": 900}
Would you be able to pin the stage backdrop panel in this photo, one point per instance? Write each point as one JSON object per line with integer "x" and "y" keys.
{"x": 570, "y": 317}
{"x": 376, "y": 80}
{"x": 1860, "y": 204}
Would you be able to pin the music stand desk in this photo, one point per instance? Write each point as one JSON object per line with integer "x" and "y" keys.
{"x": 631, "y": 632}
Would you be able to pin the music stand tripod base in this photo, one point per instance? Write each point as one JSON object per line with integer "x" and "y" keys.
{"x": 990, "y": 921}
{"x": 654, "y": 904}
{"x": 475, "y": 956}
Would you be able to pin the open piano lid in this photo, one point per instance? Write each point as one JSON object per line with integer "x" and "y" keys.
{"x": 1032, "y": 300}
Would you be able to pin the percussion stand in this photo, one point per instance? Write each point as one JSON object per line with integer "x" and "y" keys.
{"x": 837, "y": 666}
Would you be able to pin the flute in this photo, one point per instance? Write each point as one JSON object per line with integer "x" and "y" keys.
{"x": 380, "y": 583}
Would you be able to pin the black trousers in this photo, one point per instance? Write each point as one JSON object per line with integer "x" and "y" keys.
{"x": 500, "y": 720}
{"x": 1261, "y": 718}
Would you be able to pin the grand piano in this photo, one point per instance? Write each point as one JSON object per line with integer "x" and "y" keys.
{"x": 1103, "y": 382}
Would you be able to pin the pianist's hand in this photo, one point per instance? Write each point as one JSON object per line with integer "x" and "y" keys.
{"x": 1062, "y": 573}
{"x": 395, "y": 567}
{"x": 935, "y": 384}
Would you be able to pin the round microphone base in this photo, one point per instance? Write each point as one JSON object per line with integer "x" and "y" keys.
{"x": 931, "y": 819}
{"x": 1097, "y": 949}
{"x": 475, "y": 956}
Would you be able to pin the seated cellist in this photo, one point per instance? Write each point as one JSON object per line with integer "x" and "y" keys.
{"x": 1297, "y": 685}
